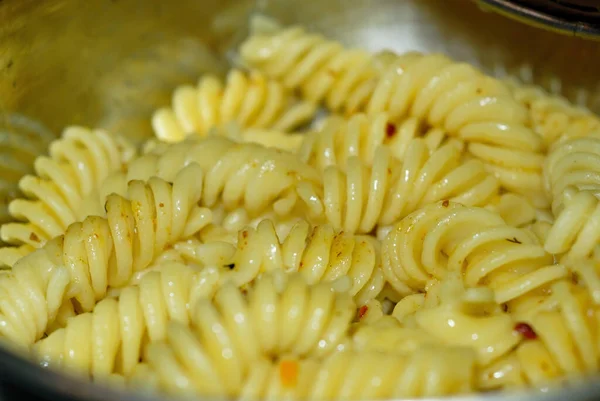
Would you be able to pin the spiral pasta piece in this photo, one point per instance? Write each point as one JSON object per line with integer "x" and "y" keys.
{"x": 428, "y": 372}
{"x": 564, "y": 340}
{"x": 250, "y": 99}
{"x": 78, "y": 164}
{"x": 74, "y": 270}
{"x": 449, "y": 237}
{"x": 361, "y": 198}
{"x": 491, "y": 336}
{"x": 572, "y": 178}
{"x": 280, "y": 315}
{"x": 361, "y": 136}
{"x": 322, "y": 70}
{"x": 111, "y": 338}
{"x": 438, "y": 91}
{"x": 235, "y": 174}
{"x": 470, "y": 106}
{"x": 552, "y": 116}
{"x": 319, "y": 254}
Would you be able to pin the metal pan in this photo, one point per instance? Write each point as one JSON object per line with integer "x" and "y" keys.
{"x": 109, "y": 63}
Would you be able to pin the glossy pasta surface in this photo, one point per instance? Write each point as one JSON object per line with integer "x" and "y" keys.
{"x": 433, "y": 232}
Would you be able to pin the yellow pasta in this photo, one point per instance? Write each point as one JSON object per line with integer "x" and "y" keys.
{"x": 563, "y": 340}
{"x": 552, "y": 116}
{"x": 449, "y": 237}
{"x": 321, "y": 69}
{"x": 319, "y": 253}
{"x": 235, "y": 174}
{"x": 429, "y": 372}
{"x": 98, "y": 253}
{"x": 361, "y": 197}
{"x": 437, "y": 234}
{"x": 453, "y": 96}
{"x": 112, "y": 335}
{"x": 572, "y": 178}
{"x": 280, "y": 315}
{"x": 251, "y": 100}
{"x": 339, "y": 139}
{"x": 77, "y": 165}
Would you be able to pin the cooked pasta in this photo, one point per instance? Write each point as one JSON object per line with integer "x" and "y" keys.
{"x": 248, "y": 175}
{"x": 449, "y": 237}
{"x": 572, "y": 178}
{"x": 437, "y": 233}
{"x": 71, "y": 272}
{"x": 361, "y": 197}
{"x": 319, "y": 253}
{"x": 321, "y": 69}
{"x": 339, "y": 139}
{"x": 110, "y": 338}
{"x": 442, "y": 93}
{"x": 429, "y": 372}
{"x": 552, "y": 116}
{"x": 78, "y": 164}
{"x": 249, "y": 99}
{"x": 563, "y": 341}
{"x": 515, "y": 209}
{"x": 279, "y": 315}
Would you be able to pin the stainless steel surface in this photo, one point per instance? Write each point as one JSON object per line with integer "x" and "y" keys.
{"x": 579, "y": 18}
{"x": 109, "y": 63}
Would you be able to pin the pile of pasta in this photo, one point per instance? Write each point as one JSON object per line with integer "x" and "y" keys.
{"x": 436, "y": 232}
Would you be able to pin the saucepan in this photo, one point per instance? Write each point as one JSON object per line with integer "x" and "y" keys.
{"x": 110, "y": 63}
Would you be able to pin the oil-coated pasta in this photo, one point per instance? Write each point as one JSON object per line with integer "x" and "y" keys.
{"x": 572, "y": 178}
{"x": 319, "y": 253}
{"x": 113, "y": 334}
{"x": 339, "y": 139}
{"x": 429, "y": 372}
{"x": 358, "y": 199}
{"x": 279, "y": 315}
{"x": 98, "y": 253}
{"x": 235, "y": 174}
{"x": 449, "y": 237}
{"x": 552, "y": 116}
{"x": 438, "y": 233}
{"x": 250, "y": 99}
{"x": 440, "y": 92}
{"x": 77, "y": 165}
{"x": 322, "y": 70}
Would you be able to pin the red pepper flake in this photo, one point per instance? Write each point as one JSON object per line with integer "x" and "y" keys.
{"x": 288, "y": 373}
{"x": 362, "y": 311}
{"x": 526, "y": 331}
{"x": 34, "y": 237}
{"x": 390, "y": 130}
{"x": 446, "y": 203}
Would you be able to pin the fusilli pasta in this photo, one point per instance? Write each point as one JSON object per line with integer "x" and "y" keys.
{"x": 77, "y": 165}
{"x": 447, "y": 236}
{"x": 437, "y": 234}
{"x": 552, "y": 116}
{"x": 361, "y": 197}
{"x": 572, "y": 177}
{"x": 428, "y": 372}
{"x": 115, "y": 329}
{"x": 321, "y": 69}
{"x": 280, "y": 315}
{"x": 78, "y": 267}
{"x": 248, "y": 175}
{"x": 250, "y": 99}
{"x": 319, "y": 253}
{"x": 454, "y": 96}
{"x": 360, "y": 136}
